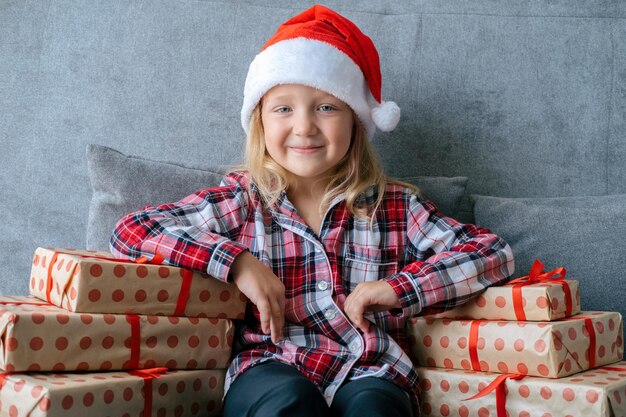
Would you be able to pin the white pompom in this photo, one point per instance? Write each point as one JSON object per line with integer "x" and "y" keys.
{"x": 386, "y": 116}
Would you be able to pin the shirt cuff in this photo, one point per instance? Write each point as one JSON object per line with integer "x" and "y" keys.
{"x": 409, "y": 295}
{"x": 222, "y": 259}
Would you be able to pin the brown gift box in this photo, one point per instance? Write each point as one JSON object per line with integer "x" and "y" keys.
{"x": 43, "y": 337}
{"x": 599, "y": 392}
{"x": 544, "y": 301}
{"x": 95, "y": 282}
{"x": 547, "y": 349}
{"x": 146, "y": 393}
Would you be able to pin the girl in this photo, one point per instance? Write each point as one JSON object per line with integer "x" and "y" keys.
{"x": 333, "y": 255}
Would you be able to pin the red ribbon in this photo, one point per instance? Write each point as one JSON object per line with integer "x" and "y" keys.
{"x": 183, "y": 295}
{"x": 592, "y": 339}
{"x": 473, "y": 344}
{"x": 148, "y": 375}
{"x": 49, "y": 280}
{"x": 135, "y": 340}
{"x": 3, "y": 377}
{"x": 592, "y": 342}
{"x": 537, "y": 275}
{"x": 498, "y": 384}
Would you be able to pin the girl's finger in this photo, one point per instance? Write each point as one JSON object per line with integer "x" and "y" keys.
{"x": 355, "y": 313}
{"x": 266, "y": 315}
{"x": 277, "y": 321}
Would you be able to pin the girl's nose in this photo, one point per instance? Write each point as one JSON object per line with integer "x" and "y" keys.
{"x": 304, "y": 124}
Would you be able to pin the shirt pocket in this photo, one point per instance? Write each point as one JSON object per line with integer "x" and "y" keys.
{"x": 368, "y": 264}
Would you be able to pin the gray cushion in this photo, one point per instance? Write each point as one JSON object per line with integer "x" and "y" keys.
{"x": 446, "y": 192}
{"x": 583, "y": 234}
{"x": 123, "y": 184}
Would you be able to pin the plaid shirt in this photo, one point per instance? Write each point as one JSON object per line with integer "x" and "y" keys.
{"x": 432, "y": 262}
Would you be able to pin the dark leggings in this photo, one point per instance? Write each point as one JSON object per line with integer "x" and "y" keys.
{"x": 274, "y": 389}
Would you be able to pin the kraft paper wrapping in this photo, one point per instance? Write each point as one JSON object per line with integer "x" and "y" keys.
{"x": 546, "y": 349}
{"x": 43, "y": 337}
{"x": 599, "y": 392}
{"x": 79, "y": 281}
{"x": 545, "y": 301}
{"x": 147, "y": 393}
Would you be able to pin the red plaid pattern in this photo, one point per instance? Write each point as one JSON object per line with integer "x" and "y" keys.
{"x": 432, "y": 262}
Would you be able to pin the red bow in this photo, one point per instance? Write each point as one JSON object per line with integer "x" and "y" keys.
{"x": 148, "y": 375}
{"x": 536, "y": 275}
{"x": 498, "y": 384}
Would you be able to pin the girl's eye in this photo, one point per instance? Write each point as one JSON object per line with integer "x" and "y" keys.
{"x": 326, "y": 107}
{"x": 282, "y": 110}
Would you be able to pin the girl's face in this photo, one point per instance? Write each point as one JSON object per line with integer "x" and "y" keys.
{"x": 307, "y": 131}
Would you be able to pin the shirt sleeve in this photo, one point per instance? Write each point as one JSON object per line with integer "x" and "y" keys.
{"x": 199, "y": 232}
{"x": 455, "y": 261}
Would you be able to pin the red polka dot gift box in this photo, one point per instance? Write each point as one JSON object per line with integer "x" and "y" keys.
{"x": 539, "y": 296}
{"x": 35, "y": 336}
{"x": 599, "y": 392}
{"x": 550, "y": 349}
{"x": 95, "y": 282}
{"x": 147, "y": 392}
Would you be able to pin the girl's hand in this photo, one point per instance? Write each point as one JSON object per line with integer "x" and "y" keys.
{"x": 264, "y": 289}
{"x": 369, "y": 296}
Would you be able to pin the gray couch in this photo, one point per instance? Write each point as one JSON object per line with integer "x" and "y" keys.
{"x": 522, "y": 102}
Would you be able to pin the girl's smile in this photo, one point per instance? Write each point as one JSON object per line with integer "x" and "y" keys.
{"x": 306, "y": 149}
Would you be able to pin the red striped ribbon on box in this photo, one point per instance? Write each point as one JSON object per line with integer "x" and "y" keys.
{"x": 472, "y": 344}
{"x": 592, "y": 338}
{"x": 135, "y": 340}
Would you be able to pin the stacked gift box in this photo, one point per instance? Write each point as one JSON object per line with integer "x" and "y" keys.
{"x": 115, "y": 337}
{"x": 522, "y": 349}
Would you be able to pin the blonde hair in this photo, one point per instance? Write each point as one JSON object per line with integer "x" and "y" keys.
{"x": 356, "y": 172}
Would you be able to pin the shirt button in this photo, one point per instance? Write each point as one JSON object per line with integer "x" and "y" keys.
{"x": 354, "y": 346}
{"x": 322, "y": 285}
{"x": 318, "y": 249}
{"x": 330, "y": 314}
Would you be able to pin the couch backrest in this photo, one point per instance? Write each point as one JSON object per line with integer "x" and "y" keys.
{"x": 525, "y": 98}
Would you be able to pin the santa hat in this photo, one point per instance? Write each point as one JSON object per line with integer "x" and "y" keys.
{"x": 320, "y": 48}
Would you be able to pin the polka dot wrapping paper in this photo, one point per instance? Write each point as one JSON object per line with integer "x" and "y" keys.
{"x": 544, "y": 301}
{"x": 91, "y": 282}
{"x": 147, "y": 393}
{"x": 43, "y": 337}
{"x": 599, "y": 392}
{"x": 546, "y": 349}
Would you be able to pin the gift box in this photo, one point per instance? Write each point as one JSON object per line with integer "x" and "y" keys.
{"x": 539, "y": 296}
{"x": 539, "y": 302}
{"x": 600, "y": 392}
{"x": 43, "y": 337}
{"x": 547, "y": 349}
{"x": 95, "y": 282}
{"x": 150, "y": 392}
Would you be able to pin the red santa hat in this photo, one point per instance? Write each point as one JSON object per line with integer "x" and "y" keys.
{"x": 320, "y": 48}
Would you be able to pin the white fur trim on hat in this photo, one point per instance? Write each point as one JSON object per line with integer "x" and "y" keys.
{"x": 319, "y": 65}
